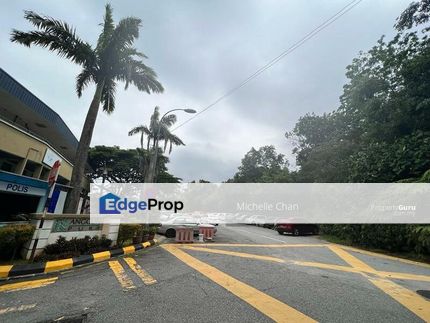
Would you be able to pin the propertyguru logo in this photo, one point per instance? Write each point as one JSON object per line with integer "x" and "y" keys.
{"x": 113, "y": 204}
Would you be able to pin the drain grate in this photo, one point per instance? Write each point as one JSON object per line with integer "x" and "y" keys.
{"x": 424, "y": 293}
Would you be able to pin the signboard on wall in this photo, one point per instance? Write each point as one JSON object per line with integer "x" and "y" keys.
{"x": 76, "y": 224}
{"x": 50, "y": 157}
{"x": 21, "y": 189}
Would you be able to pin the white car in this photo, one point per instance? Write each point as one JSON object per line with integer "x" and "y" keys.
{"x": 168, "y": 228}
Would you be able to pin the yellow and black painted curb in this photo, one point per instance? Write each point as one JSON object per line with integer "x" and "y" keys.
{"x": 7, "y": 271}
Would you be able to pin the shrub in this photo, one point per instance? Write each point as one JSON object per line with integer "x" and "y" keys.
{"x": 127, "y": 232}
{"x": 391, "y": 237}
{"x": 13, "y": 237}
{"x": 63, "y": 248}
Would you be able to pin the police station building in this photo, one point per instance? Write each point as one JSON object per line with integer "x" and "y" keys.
{"x": 32, "y": 138}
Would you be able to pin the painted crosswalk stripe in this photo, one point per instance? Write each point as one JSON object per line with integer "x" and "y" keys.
{"x": 120, "y": 275}
{"x": 27, "y": 284}
{"x": 146, "y": 278}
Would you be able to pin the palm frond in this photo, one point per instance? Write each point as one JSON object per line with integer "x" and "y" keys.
{"x": 108, "y": 28}
{"x": 126, "y": 32}
{"x": 83, "y": 79}
{"x": 138, "y": 74}
{"x": 58, "y": 37}
{"x": 169, "y": 120}
{"x": 108, "y": 96}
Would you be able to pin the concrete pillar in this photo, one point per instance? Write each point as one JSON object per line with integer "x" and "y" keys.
{"x": 42, "y": 234}
{"x": 111, "y": 232}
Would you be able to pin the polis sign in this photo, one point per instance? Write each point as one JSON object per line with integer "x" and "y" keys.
{"x": 21, "y": 189}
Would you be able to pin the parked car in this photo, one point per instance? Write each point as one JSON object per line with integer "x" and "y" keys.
{"x": 296, "y": 229}
{"x": 168, "y": 228}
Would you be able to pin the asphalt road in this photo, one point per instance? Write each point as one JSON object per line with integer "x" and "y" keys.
{"x": 249, "y": 274}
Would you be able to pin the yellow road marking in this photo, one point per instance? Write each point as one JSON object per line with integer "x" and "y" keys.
{"x": 237, "y": 254}
{"x": 58, "y": 265}
{"x": 380, "y": 255}
{"x": 16, "y": 308}
{"x": 284, "y": 245}
{"x": 393, "y": 275}
{"x": 120, "y": 274}
{"x": 351, "y": 260}
{"x": 4, "y": 270}
{"x": 271, "y": 307}
{"x": 382, "y": 274}
{"x": 27, "y": 284}
{"x": 146, "y": 278}
{"x": 326, "y": 266}
{"x": 412, "y": 301}
{"x": 100, "y": 256}
{"x": 407, "y": 298}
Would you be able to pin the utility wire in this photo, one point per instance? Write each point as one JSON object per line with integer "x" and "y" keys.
{"x": 275, "y": 60}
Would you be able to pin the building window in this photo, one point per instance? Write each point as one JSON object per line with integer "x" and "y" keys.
{"x": 44, "y": 174}
{"x": 8, "y": 162}
{"x": 30, "y": 169}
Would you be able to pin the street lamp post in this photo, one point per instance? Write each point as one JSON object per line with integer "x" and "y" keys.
{"x": 150, "y": 175}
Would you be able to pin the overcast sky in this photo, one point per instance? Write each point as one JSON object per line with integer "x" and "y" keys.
{"x": 201, "y": 49}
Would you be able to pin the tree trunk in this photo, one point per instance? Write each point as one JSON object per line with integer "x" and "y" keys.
{"x": 82, "y": 152}
{"x": 150, "y": 175}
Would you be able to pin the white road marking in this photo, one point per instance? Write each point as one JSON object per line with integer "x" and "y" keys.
{"x": 16, "y": 308}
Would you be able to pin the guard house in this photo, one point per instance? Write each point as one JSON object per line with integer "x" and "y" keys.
{"x": 32, "y": 138}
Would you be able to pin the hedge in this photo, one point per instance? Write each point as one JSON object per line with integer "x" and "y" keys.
{"x": 392, "y": 237}
{"x": 13, "y": 237}
{"x": 74, "y": 247}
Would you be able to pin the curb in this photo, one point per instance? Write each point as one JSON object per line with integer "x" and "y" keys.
{"x": 8, "y": 271}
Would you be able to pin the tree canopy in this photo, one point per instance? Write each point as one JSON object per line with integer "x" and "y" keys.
{"x": 264, "y": 165}
{"x": 122, "y": 165}
{"x": 381, "y": 130}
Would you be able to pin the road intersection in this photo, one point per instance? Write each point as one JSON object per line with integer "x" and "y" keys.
{"x": 244, "y": 276}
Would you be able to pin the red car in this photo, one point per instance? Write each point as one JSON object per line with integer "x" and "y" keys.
{"x": 296, "y": 229}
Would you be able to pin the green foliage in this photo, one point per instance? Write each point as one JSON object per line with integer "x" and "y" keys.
{"x": 113, "y": 59}
{"x": 157, "y": 131}
{"x": 13, "y": 237}
{"x": 127, "y": 232}
{"x": 264, "y": 165}
{"x": 63, "y": 248}
{"x": 381, "y": 130}
{"x": 392, "y": 237}
{"x": 123, "y": 165}
{"x": 379, "y": 133}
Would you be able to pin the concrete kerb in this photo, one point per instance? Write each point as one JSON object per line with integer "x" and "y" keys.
{"x": 15, "y": 271}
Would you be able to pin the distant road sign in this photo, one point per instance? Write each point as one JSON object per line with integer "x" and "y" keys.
{"x": 53, "y": 174}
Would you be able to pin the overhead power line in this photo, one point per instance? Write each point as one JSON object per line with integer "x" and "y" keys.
{"x": 275, "y": 60}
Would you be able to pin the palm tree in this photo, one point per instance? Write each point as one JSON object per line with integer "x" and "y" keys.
{"x": 113, "y": 59}
{"x": 160, "y": 128}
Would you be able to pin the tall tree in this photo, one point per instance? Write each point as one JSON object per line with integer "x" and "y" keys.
{"x": 156, "y": 128}
{"x": 113, "y": 59}
{"x": 264, "y": 165}
{"x": 381, "y": 130}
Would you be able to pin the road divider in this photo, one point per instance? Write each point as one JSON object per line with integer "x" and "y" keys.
{"x": 63, "y": 264}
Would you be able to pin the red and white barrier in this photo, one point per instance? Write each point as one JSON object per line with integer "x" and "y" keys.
{"x": 207, "y": 231}
{"x": 184, "y": 235}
